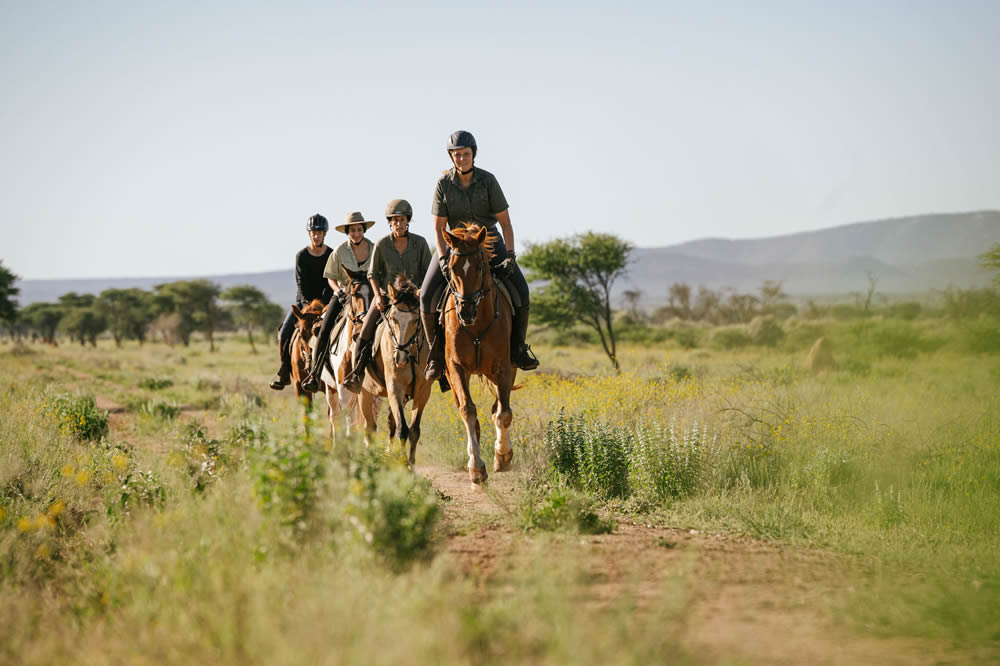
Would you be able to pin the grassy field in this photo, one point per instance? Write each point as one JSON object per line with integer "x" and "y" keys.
{"x": 714, "y": 503}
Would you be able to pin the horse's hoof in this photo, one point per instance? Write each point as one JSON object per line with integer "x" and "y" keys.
{"x": 477, "y": 475}
{"x": 501, "y": 462}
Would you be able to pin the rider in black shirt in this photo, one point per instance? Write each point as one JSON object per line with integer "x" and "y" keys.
{"x": 310, "y": 285}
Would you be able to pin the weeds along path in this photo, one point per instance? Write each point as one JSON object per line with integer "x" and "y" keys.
{"x": 726, "y": 597}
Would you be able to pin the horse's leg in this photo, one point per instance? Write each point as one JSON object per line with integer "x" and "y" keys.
{"x": 460, "y": 385}
{"x": 367, "y": 403}
{"x": 503, "y": 452}
{"x": 423, "y": 394}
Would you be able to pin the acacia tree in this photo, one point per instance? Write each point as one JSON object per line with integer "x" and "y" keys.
{"x": 8, "y": 306}
{"x": 579, "y": 272}
{"x": 249, "y": 307}
{"x": 196, "y": 303}
{"x": 128, "y": 311}
{"x": 990, "y": 260}
{"x": 44, "y": 318}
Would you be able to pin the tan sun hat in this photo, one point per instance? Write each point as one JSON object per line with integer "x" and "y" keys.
{"x": 354, "y": 218}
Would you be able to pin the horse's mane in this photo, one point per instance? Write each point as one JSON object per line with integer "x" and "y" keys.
{"x": 314, "y": 307}
{"x": 407, "y": 293}
{"x": 467, "y": 233}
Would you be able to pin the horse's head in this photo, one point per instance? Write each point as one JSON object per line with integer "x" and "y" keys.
{"x": 308, "y": 319}
{"x": 402, "y": 320}
{"x": 359, "y": 293}
{"x": 471, "y": 250}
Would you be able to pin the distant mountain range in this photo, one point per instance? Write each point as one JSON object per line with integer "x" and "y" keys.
{"x": 907, "y": 255}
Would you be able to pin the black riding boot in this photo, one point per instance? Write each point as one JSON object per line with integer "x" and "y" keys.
{"x": 435, "y": 337}
{"x": 283, "y": 377}
{"x": 361, "y": 359}
{"x": 520, "y": 353}
{"x": 322, "y": 350}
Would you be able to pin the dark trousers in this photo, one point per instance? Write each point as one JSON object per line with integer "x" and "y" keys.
{"x": 285, "y": 337}
{"x": 433, "y": 279}
{"x": 329, "y": 319}
{"x": 372, "y": 318}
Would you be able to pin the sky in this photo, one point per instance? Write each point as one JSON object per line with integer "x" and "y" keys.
{"x": 142, "y": 139}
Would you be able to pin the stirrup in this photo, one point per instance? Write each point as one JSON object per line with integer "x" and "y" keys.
{"x": 311, "y": 384}
{"x": 432, "y": 372}
{"x": 526, "y": 359}
{"x": 443, "y": 383}
{"x": 279, "y": 381}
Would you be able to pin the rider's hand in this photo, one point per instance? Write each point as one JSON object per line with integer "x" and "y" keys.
{"x": 380, "y": 301}
{"x": 445, "y": 267}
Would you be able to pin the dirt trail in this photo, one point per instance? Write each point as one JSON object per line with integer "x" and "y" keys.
{"x": 756, "y": 602}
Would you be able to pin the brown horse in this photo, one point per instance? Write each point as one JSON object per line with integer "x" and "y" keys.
{"x": 338, "y": 398}
{"x": 477, "y": 342}
{"x": 306, "y": 320}
{"x": 398, "y": 374}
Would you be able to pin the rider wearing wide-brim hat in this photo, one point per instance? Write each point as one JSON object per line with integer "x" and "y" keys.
{"x": 354, "y": 254}
{"x": 467, "y": 193}
{"x": 401, "y": 252}
{"x": 310, "y": 285}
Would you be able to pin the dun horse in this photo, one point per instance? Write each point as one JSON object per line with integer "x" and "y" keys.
{"x": 397, "y": 372}
{"x": 305, "y": 321}
{"x": 477, "y": 342}
{"x": 339, "y": 399}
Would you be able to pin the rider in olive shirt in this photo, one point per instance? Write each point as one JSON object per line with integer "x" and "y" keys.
{"x": 466, "y": 193}
{"x": 399, "y": 253}
{"x": 354, "y": 254}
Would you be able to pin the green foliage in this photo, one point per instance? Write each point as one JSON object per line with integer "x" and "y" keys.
{"x": 649, "y": 460}
{"x": 156, "y": 383}
{"x": 84, "y": 323}
{"x": 729, "y": 337}
{"x": 195, "y": 303}
{"x": 128, "y": 312}
{"x": 77, "y": 415}
{"x": 287, "y": 477}
{"x": 250, "y": 308}
{"x": 159, "y": 409}
{"x": 579, "y": 273}
{"x": 393, "y": 511}
{"x": 202, "y": 457}
{"x": 981, "y": 335}
{"x": 962, "y": 304}
{"x": 44, "y": 318}
{"x": 990, "y": 260}
{"x": 765, "y": 331}
{"x": 560, "y": 509}
{"x": 8, "y": 304}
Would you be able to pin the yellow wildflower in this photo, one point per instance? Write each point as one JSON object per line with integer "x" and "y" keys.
{"x": 44, "y": 522}
{"x": 3, "y": 513}
{"x": 42, "y": 552}
{"x": 56, "y": 508}
{"x": 82, "y": 477}
{"x": 24, "y": 525}
{"x": 120, "y": 461}
{"x": 68, "y": 470}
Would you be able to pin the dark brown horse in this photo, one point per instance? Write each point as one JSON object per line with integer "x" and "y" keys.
{"x": 477, "y": 342}
{"x": 305, "y": 323}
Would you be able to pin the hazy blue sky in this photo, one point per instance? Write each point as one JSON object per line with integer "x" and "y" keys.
{"x": 149, "y": 139}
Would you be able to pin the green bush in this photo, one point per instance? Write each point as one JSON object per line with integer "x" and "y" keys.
{"x": 561, "y": 509}
{"x": 729, "y": 337}
{"x": 77, "y": 416}
{"x": 156, "y": 383}
{"x": 765, "y": 331}
{"x": 981, "y": 335}
{"x": 393, "y": 511}
{"x": 590, "y": 455}
{"x": 287, "y": 477}
{"x": 160, "y": 409}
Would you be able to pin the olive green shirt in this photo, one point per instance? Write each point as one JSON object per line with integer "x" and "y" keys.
{"x": 343, "y": 257}
{"x": 387, "y": 263}
{"x": 480, "y": 203}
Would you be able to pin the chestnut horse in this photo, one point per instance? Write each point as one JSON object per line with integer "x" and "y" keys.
{"x": 477, "y": 342}
{"x": 399, "y": 363}
{"x": 338, "y": 398}
{"x": 305, "y": 321}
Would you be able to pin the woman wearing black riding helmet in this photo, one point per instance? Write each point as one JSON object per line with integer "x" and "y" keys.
{"x": 354, "y": 254}
{"x": 309, "y": 265}
{"x": 467, "y": 193}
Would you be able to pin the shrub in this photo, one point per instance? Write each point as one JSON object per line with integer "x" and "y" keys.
{"x": 981, "y": 335}
{"x": 78, "y": 416}
{"x": 287, "y": 477}
{"x": 393, "y": 511}
{"x": 591, "y": 455}
{"x": 561, "y": 509}
{"x": 765, "y": 331}
{"x": 156, "y": 383}
{"x": 729, "y": 337}
{"x": 160, "y": 409}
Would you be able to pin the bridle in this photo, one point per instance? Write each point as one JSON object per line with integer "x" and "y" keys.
{"x": 357, "y": 318}
{"x": 476, "y": 298}
{"x": 407, "y": 347}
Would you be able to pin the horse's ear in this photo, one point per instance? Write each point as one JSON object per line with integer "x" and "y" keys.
{"x": 392, "y": 293}
{"x": 481, "y": 236}
{"x": 296, "y": 311}
{"x": 450, "y": 239}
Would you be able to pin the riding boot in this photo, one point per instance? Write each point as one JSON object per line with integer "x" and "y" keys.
{"x": 362, "y": 356}
{"x": 435, "y": 335}
{"x": 319, "y": 356}
{"x": 284, "y": 375}
{"x": 520, "y": 353}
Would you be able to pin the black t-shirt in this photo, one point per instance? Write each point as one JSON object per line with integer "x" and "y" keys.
{"x": 309, "y": 277}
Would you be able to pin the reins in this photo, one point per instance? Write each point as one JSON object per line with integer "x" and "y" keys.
{"x": 417, "y": 337}
{"x": 476, "y": 297}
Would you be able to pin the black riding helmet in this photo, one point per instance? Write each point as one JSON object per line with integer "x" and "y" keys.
{"x": 317, "y": 223}
{"x": 462, "y": 139}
